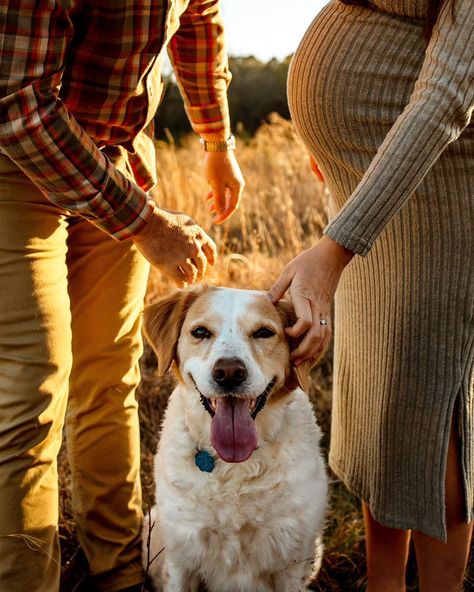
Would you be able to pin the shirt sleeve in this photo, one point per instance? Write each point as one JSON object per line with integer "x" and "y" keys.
{"x": 440, "y": 108}
{"x": 198, "y": 54}
{"x": 42, "y": 137}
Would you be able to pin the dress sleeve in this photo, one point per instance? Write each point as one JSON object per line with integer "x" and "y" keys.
{"x": 198, "y": 54}
{"x": 40, "y": 134}
{"x": 440, "y": 108}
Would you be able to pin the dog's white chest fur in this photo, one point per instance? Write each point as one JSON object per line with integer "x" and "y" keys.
{"x": 247, "y": 527}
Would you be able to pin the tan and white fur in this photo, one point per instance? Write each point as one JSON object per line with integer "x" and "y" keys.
{"x": 254, "y": 524}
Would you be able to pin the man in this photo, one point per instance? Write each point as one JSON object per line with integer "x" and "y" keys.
{"x": 79, "y": 85}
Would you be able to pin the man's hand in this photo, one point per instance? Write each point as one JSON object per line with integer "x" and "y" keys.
{"x": 312, "y": 278}
{"x": 176, "y": 245}
{"x": 224, "y": 177}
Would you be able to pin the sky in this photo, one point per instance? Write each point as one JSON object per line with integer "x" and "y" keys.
{"x": 267, "y": 28}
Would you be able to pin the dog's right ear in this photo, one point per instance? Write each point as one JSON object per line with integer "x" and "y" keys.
{"x": 163, "y": 321}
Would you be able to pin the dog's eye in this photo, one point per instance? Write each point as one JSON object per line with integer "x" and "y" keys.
{"x": 263, "y": 333}
{"x": 201, "y": 333}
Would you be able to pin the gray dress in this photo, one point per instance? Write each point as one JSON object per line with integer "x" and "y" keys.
{"x": 387, "y": 118}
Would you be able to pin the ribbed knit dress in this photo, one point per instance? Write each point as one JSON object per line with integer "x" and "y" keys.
{"x": 387, "y": 118}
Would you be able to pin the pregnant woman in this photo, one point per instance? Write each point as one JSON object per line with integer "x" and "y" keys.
{"x": 382, "y": 93}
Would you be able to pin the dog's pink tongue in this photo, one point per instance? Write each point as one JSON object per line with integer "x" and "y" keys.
{"x": 233, "y": 432}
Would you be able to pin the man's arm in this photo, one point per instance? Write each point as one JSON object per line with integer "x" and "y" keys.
{"x": 198, "y": 54}
{"x": 42, "y": 137}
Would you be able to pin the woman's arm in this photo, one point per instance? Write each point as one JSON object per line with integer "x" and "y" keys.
{"x": 440, "y": 108}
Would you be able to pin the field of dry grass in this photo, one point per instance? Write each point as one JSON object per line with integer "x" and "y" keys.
{"x": 283, "y": 212}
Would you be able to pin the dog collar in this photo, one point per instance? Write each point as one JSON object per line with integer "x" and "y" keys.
{"x": 204, "y": 461}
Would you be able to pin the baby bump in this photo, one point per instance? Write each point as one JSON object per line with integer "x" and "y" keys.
{"x": 350, "y": 78}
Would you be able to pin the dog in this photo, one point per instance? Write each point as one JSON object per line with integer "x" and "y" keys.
{"x": 241, "y": 486}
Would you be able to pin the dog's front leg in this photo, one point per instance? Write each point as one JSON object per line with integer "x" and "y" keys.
{"x": 179, "y": 579}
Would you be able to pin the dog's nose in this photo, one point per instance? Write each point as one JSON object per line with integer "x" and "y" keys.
{"x": 229, "y": 372}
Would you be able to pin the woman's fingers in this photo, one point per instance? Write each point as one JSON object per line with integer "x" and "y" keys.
{"x": 316, "y": 338}
{"x": 304, "y": 317}
{"x": 312, "y": 346}
{"x": 277, "y": 291}
{"x": 317, "y": 345}
{"x": 312, "y": 278}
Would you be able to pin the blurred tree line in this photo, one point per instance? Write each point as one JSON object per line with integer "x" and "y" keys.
{"x": 257, "y": 89}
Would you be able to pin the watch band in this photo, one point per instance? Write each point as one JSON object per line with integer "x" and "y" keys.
{"x": 219, "y": 146}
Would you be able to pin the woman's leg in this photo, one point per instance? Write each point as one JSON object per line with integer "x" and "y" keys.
{"x": 387, "y": 555}
{"x": 441, "y": 566}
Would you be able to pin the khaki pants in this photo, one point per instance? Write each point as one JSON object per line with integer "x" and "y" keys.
{"x": 70, "y": 312}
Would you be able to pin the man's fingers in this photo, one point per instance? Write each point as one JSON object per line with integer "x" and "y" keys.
{"x": 221, "y": 210}
{"x": 233, "y": 196}
{"x": 200, "y": 262}
{"x": 209, "y": 249}
{"x": 218, "y": 192}
{"x": 189, "y": 270}
{"x": 177, "y": 275}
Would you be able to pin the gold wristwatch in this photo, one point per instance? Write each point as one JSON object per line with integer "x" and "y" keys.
{"x": 220, "y": 146}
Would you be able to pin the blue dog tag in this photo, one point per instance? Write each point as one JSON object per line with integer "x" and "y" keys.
{"x": 204, "y": 461}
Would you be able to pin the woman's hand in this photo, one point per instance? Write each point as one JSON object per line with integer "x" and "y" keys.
{"x": 312, "y": 278}
{"x": 226, "y": 181}
{"x": 177, "y": 246}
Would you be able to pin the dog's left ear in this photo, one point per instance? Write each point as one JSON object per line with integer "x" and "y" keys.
{"x": 299, "y": 374}
{"x": 163, "y": 321}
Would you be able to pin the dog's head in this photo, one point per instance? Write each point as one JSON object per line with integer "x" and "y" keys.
{"x": 230, "y": 347}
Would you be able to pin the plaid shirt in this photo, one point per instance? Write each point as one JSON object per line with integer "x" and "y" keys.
{"x": 81, "y": 79}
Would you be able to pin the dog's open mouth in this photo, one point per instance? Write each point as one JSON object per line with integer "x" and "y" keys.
{"x": 233, "y": 432}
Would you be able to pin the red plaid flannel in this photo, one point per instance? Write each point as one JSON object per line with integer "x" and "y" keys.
{"x": 79, "y": 77}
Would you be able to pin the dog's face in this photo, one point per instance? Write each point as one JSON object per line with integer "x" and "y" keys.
{"x": 230, "y": 347}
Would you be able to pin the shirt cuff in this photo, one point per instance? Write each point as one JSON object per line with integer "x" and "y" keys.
{"x": 207, "y": 119}
{"x": 352, "y": 242}
{"x": 130, "y": 218}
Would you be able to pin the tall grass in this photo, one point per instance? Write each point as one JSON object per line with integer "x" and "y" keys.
{"x": 283, "y": 210}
